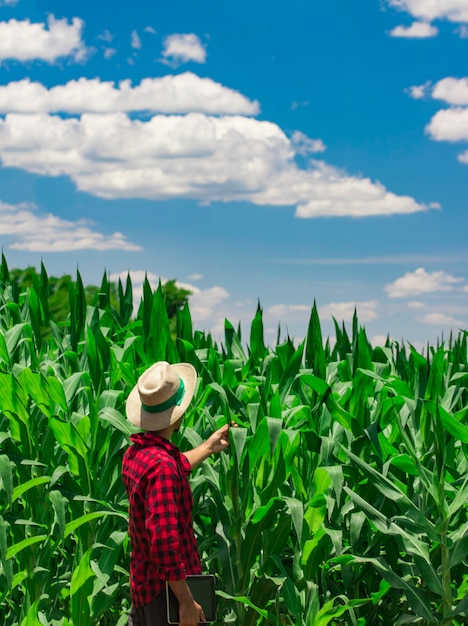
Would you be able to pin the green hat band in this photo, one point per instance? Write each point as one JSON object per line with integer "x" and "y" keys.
{"x": 174, "y": 400}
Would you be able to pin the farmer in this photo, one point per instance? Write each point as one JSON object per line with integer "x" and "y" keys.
{"x": 155, "y": 475}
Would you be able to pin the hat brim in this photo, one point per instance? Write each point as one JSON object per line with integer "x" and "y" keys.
{"x": 137, "y": 415}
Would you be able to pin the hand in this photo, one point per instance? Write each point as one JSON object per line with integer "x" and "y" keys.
{"x": 190, "y": 614}
{"x": 219, "y": 440}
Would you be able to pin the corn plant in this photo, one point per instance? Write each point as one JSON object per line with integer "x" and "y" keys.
{"x": 342, "y": 499}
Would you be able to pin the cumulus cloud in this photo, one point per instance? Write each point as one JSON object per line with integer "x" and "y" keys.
{"x": 109, "y": 53}
{"x": 440, "y": 319}
{"x": 422, "y": 282}
{"x": 282, "y": 311}
{"x": 305, "y": 145}
{"x": 34, "y": 231}
{"x": 451, "y": 90}
{"x": 203, "y": 302}
{"x": 106, "y": 36}
{"x": 26, "y": 41}
{"x": 417, "y": 30}
{"x": 429, "y": 10}
{"x": 135, "y": 40}
{"x": 449, "y": 125}
{"x": 169, "y": 94}
{"x": 420, "y": 91}
{"x": 344, "y": 311}
{"x": 183, "y": 48}
{"x": 378, "y": 340}
{"x": 228, "y": 158}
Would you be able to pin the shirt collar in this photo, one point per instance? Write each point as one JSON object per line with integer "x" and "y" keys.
{"x": 151, "y": 439}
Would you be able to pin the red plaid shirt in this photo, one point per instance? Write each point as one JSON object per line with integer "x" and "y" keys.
{"x": 160, "y": 525}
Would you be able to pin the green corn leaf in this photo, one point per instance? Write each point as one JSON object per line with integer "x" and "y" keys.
{"x": 89, "y": 517}
{"x": 4, "y": 354}
{"x": 59, "y": 504}
{"x": 32, "y": 618}
{"x": 6, "y": 562}
{"x": 35, "y": 315}
{"x": 25, "y": 543}
{"x": 243, "y": 600}
{"x": 239, "y": 437}
{"x": 117, "y": 420}
{"x": 257, "y": 344}
{"x": 314, "y": 353}
{"x": 30, "y": 484}
{"x": 14, "y": 336}
{"x": 80, "y": 590}
{"x": 458, "y": 430}
{"x": 332, "y": 610}
{"x": 296, "y": 511}
{"x": 393, "y": 493}
{"x": 6, "y": 476}
{"x": 458, "y": 551}
{"x": 417, "y": 599}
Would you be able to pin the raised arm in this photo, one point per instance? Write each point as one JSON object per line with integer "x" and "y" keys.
{"x": 218, "y": 442}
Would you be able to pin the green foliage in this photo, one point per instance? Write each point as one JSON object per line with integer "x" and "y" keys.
{"x": 342, "y": 500}
{"x": 59, "y": 297}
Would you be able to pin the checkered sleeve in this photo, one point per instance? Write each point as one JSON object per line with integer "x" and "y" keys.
{"x": 161, "y": 520}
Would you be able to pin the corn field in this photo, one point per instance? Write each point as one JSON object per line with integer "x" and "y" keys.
{"x": 343, "y": 498}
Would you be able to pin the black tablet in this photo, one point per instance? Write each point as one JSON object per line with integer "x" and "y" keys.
{"x": 202, "y": 587}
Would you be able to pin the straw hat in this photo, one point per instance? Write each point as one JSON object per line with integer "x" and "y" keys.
{"x": 162, "y": 395}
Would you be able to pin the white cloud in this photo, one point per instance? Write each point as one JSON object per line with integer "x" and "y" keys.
{"x": 299, "y": 105}
{"x": 150, "y": 29}
{"x": 421, "y": 282}
{"x": 192, "y": 156}
{"x": 35, "y": 231}
{"x": 204, "y": 302}
{"x": 169, "y": 94}
{"x": 429, "y": 10}
{"x": 378, "y": 340}
{"x": 26, "y": 41}
{"x": 10, "y": 3}
{"x": 344, "y": 311}
{"x": 282, "y": 311}
{"x": 195, "y": 277}
{"x": 106, "y": 36}
{"x": 135, "y": 41}
{"x": 449, "y": 125}
{"x": 451, "y": 90}
{"x": 416, "y": 304}
{"x": 182, "y": 48}
{"x": 440, "y": 319}
{"x": 305, "y": 145}
{"x": 108, "y": 53}
{"x": 417, "y": 30}
{"x": 420, "y": 91}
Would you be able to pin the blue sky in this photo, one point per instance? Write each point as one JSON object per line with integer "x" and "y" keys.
{"x": 281, "y": 152}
